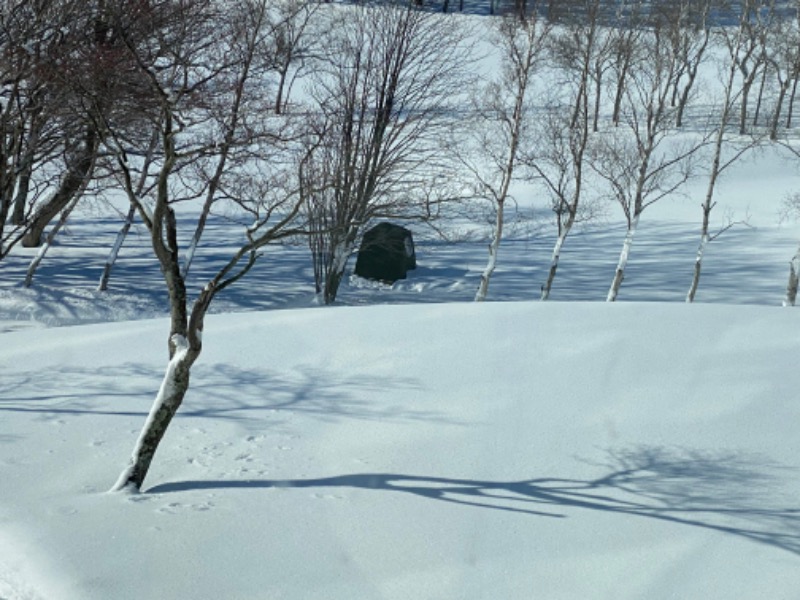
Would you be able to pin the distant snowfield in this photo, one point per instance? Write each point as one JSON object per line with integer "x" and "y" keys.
{"x": 504, "y": 450}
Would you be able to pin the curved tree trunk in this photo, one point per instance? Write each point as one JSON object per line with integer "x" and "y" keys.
{"x": 794, "y": 277}
{"x": 619, "y": 274}
{"x": 494, "y": 247}
{"x": 112, "y": 257}
{"x": 79, "y": 171}
{"x": 556, "y": 257}
{"x": 698, "y": 267}
{"x": 169, "y": 398}
{"x": 37, "y": 260}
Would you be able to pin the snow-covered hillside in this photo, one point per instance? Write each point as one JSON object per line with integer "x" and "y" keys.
{"x": 407, "y": 443}
{"x": 505, "y": 450}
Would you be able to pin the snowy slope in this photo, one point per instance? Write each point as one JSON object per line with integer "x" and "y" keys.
{"x": 507, "y": 450}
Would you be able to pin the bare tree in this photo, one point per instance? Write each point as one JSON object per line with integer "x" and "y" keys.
{"x": 751, "y": 57}
{"x": 504, "y": 118}
{"x": 643, "y": 162}
{"x": 688, "y": 27}
{"x": 188, "y": 52}
{"x": 790, "y": 210}
{"x": 558, "y": 154}
{"x": 293, "y": 44}
{"x": 384, "y": 95}
{"x": 84, "y": 71}
{"x": 625, "y": 47}
{"x": 139, "y": 191}
{"x": 783, "y": 59}
{"x": 33, "y": 144}
{"x": 736, "y": 42}
{"x": 795, "y": 71}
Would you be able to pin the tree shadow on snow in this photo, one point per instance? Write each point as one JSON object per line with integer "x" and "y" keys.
{"x": 252, "y": 397}
{"x": 726, "y": 492}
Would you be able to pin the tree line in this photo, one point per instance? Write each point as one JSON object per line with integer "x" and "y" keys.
{"x": 312, "y": 120}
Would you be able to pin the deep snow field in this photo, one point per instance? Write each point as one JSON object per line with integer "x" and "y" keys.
{"x": 409, "y": 444}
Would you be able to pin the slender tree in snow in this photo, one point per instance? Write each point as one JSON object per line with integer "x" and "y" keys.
{"x": 385, "y": 90}
{"x": 139, "y": 191}
{"x": 293, "y": 44}
{"x": 687, "y": 25}
{"x": 643, "y": 161}
{"x": 521, "y": 39}
{"x": 751, "y": 58}
{"x": 187, "y": 54}
{"x": 783, "y": 59}
{"x": 557, "y": 157}
{"x": 39, "y": 134}
{"x": 735, "y": 42}
{"x": 791, "y": 210}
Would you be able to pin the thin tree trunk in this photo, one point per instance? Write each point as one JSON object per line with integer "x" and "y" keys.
{"x": 794, "y": 277}
{"x": 708, "y": 202}
{"x": 137, "y": 192}
{"x": 746, "y": 87}
{"x": 684, "y": 99}
{"x": 597, "y": 100}
{"x": 74, "y": 180}
{"x": 494, "y": 247}
{"x": 112, "y": 257}
{"x": 619, "y": 274}
{"x": 620, "y": 93}
{"x": 283, "y": 73}
{"x": 169, "y": 398}
{"x": 551, "y": 275}
{"x": 698, "y": 266}
{"x": 760, "y": 98}
{"x": 776, "y": 117}
{"x": 37, "y": 260}
{"x": 24, "y": 182}
{"x": 790, "y": 108}
{"x": 335, "y": 272}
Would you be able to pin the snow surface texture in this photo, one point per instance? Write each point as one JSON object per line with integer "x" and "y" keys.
{"x": 507, "y": 450}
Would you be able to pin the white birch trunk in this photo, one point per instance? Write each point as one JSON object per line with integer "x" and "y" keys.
{"x": 494, "y": 247}
{"x": 554, "y": 263}
{"x": 794, "y": 275}
{"x": 112, "y": 257}
{"x": 698, "y": 266}
{"x": 619, "y": 275}
{"x": 708, "y": 203}
{"x": 49, "y": 241}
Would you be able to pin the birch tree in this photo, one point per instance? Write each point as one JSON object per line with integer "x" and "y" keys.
{"x": 558, "y": 156}
{"x": 643, "y": 161}
{"x": 783, "y": 58}
{"x": 521, "y": 40}
{"x": 687, "y": 25}
{"x": 735, "y": 42}
{"x": 385, "y": 92}
{"x": 751, "y": 59}
{"x": 185, "y": 54}
{"x": 791, "y": 209}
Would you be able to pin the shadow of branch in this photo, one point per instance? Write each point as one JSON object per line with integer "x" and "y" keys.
{"x": 724, "y": 492}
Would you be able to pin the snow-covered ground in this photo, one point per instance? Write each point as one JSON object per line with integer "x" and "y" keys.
{"x": 422, "y": 447}
{"x": 504, "y": 450}
{"x": 410, "y": 444}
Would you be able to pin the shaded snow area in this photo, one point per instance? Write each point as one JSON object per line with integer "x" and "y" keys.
{"x": 504, "y": 450}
